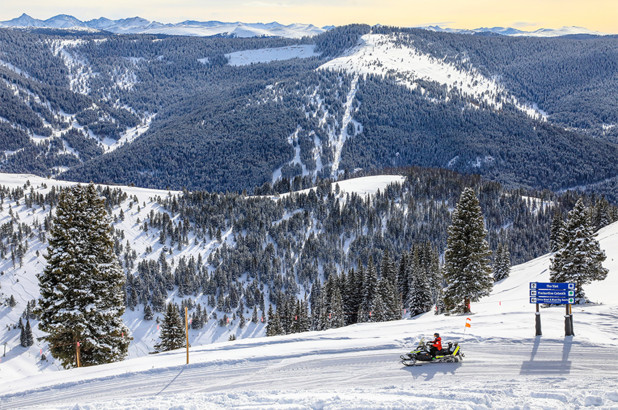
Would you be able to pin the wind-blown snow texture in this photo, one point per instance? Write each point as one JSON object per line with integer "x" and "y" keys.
{"x": 355, "y": 366}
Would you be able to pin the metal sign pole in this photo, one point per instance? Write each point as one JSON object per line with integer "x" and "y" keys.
{"x": 568, "y": 321}
{"x": 538, "y": 321}
{"x": 187, "y": 331}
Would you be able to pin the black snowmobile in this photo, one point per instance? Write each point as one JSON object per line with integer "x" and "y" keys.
{"x": 450, "y": 354}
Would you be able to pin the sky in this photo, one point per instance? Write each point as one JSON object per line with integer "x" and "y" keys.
{"x": 599, "y": 15}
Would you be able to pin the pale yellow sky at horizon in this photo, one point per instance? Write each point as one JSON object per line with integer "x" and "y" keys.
{"x": 599, "y": 15}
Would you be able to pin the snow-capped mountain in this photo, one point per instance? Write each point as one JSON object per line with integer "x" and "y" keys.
{"x": 138, "y": 25}
{"x": 514, "y": 32}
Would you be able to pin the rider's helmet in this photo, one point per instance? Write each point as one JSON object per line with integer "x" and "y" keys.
{"x": 436, "y": 334}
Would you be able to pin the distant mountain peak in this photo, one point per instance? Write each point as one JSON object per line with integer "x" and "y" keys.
{"x": 514, "y": 32}
{"x": 139, "y": 25}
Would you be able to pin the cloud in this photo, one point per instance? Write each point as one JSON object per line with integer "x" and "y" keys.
{"x": 519, "y": 24}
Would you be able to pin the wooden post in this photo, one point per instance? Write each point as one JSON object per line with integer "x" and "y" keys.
{"x": 538, "y": 321}
{"x": 187, "y": 331}
{"x": 568, "y": 321}
{"x": 77, "y": 353}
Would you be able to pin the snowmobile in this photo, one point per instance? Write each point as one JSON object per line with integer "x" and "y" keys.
{"x": 450, "y": 354}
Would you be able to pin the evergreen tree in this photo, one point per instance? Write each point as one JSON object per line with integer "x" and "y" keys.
{"x": 254, "y": 315}
{"x": 82, "y": 298}
{"x": 502, "y": 263}
{"x": 22, "y": 333}
{"x": 378, "y": 307}
{"x": 580, "y": 260}
{"x": 172, "y": 330}
{"x": 148, "y": 315}
{"x": 466, "y": 260}
{"x": 26, "y": 337}
{"x": 556, "y": 234}
{"x": 335, "y": 316}
{"x": 601, "y": 214}
{"x": 273, "y": 327}
{"x": 419, "y": 300}
{"x": 402, "y": 277}
{"x": 369, "y": 290}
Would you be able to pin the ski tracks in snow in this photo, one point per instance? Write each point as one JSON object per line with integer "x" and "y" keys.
{"x": 345, "y": 121}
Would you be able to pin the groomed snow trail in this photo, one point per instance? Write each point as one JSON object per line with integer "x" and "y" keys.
{"x": 495, "y": 373}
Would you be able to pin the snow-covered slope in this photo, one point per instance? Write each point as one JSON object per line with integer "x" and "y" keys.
{"x": 396, "y": 57}
{"x": 21, "y": 282}
{"x": 357, "y": 366}
{"x": 266, "y": 55}
{"x": 138, "y": 25}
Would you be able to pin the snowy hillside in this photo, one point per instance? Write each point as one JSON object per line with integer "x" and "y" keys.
{"x": 395, "y": 56}
{"x": 266, "y": 55}
{"x": 357, "y": 366}
{"x": 18, "y": 278}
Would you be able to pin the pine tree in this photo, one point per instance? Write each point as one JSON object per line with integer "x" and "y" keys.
{"x": 378, "y": 307}
{"x": 254, "y": 315}
{"x": 26, "y": 337}
{"x": 601, "y": 215}
{"x": 580, "y": 260}
{"x": 172, "y": 330}
{"x": 390, "y": 295}
{"x": 502, "y": 263}
{"x": 148, "y": 315}
{"x": 556, "y": 234}
{"x": 419, "y": 300}
{"x": 466, "y": 260}
{"x": 82, "y": 298}
{"x": 335, "y": 316}
{"x": 369, "y": 290}
{"x": 22, "y": 333}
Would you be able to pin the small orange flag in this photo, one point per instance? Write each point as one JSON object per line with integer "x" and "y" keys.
{"x": 467, "y": 324}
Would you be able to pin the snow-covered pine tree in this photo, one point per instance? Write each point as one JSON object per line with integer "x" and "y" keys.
{"x": 273, "y": 327}
{"x": 580, "y": 260}
{"x": 378, "y": 307}
{"x": 601, "y": 214}
{"x": 369, "y": 290}
{"x": 315, "y": 299}
{"x": 254, "y": 315}
{"x": 28, "y": 339}
{"x": 502, "y": 263}
{"x": 419, "y": 296}
{"x": 402, "y": 277}
{"x": 467, "y": 269}
{"x": 148, "y": 315}
{"x": 82, "y": 298}
{"x": 556, "y": 233}
{"x": 22, "y": 333}
{"x": 172, "y": 330}
{"x": 335, "y": 316}
{"x": 390, "y": 296}
{"x": 304, "y": 321}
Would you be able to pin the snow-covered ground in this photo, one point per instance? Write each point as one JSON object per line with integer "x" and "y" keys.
{"x": 266, "y": 55}
{"x": 505, "y": 366}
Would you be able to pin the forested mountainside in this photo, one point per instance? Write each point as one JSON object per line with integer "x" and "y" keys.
{"x": 228, "y": 255}
{"x": 231, "y": 114}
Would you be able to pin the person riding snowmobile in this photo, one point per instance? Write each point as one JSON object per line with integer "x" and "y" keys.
{"x": 436, "y": 345}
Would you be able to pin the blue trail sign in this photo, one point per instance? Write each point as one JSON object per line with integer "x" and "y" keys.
{"x": 552, "y": 293}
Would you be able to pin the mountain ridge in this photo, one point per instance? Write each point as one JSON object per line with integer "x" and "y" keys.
{"x": 139, "y": 25}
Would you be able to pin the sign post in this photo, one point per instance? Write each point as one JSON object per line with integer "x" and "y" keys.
{"x": 559, "y": 293}
{"x": 187, "y": 331}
